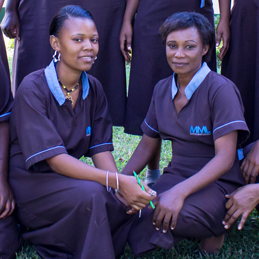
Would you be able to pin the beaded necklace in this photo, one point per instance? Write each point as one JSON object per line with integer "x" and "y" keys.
{"x": 68, "y": 96}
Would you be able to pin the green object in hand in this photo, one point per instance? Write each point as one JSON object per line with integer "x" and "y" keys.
{"x": 141, "y": 185}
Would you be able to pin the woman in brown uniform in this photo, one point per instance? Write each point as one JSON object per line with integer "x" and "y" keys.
{"x": 10, "y": 240}
{"x": 241, "y": 63}
{"x": 59, "y": 115}
{"x": 28, "y": 21}
{"x": 201, "y": 113}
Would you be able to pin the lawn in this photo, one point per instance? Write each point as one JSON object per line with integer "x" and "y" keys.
{"x": 238, "y": 244}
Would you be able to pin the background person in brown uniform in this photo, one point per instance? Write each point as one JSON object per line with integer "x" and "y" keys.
{"x": 201, "y": 113}
{"x": 10, "y": 240}
{"x": 59, "y": 115}
{"x": 241, "y": 63}
{"x": 28, "y": 21}
{"x": 148, "y": 64}
{"x": 246, "y": 198}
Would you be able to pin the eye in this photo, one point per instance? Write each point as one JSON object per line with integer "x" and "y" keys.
{"x": 171, "y": 46}
{"x": 190, "y": 47}
{"x": 94, "y": 40}
{"x": 77, "y": 39}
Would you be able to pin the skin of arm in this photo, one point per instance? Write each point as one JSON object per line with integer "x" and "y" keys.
{"x": 241, "y": 202}
{"x": 126, "y": 29}
{"x": 7, "y": 202}
{"x": 223, "y": 30}
{"x": 1, "y": 4}
{"x": 11, "y": 24}
{"x": 71, "y": 167}
{"x": 145, "y": 150}
{"x": 250, "y": 165}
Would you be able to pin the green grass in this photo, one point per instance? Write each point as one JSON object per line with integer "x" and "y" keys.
{"x": 237, "y": 245}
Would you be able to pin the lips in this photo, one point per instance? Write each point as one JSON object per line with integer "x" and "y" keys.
{"x": 87, "y": 58}
{"x": 179, "y": 64}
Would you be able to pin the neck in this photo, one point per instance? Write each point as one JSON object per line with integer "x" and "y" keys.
{"x": 67, "y": 76}
{"x": 184, "y": 79}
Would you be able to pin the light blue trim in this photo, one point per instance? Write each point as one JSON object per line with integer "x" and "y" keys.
{"x": 101, "y": 145}
{"x": 42, "y": 152}
{"x": 52, "y": 80}
{"x": 150, "y": 126}
{"x": 194, "y": 83}
{"x": 227, "y": 124}
{"x": 240, "y": 154}
{"x": 202, "y": 3}
{"x": 5, "y": 114}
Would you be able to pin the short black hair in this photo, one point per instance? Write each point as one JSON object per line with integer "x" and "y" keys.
{"x": 185, "y": 20}
{"x": 67, "y": 12}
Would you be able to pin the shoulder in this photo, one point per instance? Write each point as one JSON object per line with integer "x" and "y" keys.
{"x": 34, "y": 84}
{"x": 220, "y": 85}
{"x": 163, "y": 86}
{"x": 95, "y": 86}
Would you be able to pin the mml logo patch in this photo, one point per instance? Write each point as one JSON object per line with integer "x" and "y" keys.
{"x": 199, "y": 131}
{"x": 88, "y": 131}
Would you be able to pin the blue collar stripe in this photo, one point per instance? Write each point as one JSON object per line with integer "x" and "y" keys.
{"x": 194, "y": 83}
{"x": 52, "y": 80}
{"x": 202, "y": 3}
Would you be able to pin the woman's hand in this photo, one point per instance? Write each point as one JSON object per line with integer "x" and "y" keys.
{"x": 125, "y": 40}
{"x": 223, "y": 33}
{"x": 250, "y": 165}
{"x": 7, "y": 202}
{"x": 11, "y": 25}
{"x": 242, "y": 201}
{"x": 168, "y": 206}
{"x": 133, "y": 194}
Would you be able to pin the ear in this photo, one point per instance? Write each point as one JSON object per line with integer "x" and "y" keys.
{"x": 54, "y": 42}
{"x": 205, "y": 50}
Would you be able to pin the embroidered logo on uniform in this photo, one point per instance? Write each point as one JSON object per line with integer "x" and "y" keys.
{"x": 88, "y": 131}
{"x": 199, "y": 131}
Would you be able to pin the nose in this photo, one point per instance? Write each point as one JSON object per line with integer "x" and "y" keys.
{"x": 179, "y": 53}
{"x": 87, "y": 45}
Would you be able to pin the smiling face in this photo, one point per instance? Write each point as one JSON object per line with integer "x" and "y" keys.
{"x": 78, "y": 43}
{"x": 184, "y": 51}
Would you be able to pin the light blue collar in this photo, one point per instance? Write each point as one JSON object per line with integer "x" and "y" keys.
{"x": 54, "y": 86}
{"x": 202, "y": 3}
{"x": 194, "y": 83}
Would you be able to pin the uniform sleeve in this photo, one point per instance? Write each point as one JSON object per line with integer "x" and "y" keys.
{"x": 228, "y": 113}
{"x": 6, "y": 98}
{"x": 101, "y": 132}
{"x": 150, "y": 126}
{"x": 37, "y": 136}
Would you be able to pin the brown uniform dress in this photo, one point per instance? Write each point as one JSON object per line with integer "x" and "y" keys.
{"x": 214, "y": 109}
{"x": 241, "y": 63}
{"x": 64, "y": 217}
{"x": 149, "y": 63}
{"x": 10, "y": 240}
{"x": 34, "y": 52}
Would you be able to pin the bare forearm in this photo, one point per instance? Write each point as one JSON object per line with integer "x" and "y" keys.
{"x": 1, "y": 4}
{"x": 11, "y": 5}
{"x": 131, "y": 8}
{"x": 224, "y": 6}
{"x": 71, "y": 167}
{"x": 142, "y": 155}
{"x": 4, "y": 150}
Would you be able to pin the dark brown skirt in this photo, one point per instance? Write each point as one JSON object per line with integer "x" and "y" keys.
{"x": 200, "y": 217}
{"x": 34, "y": 52}
{"x": 149, "y": 64}
{"x": 241, "y": 63}
{"x": 66, "y": 217}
